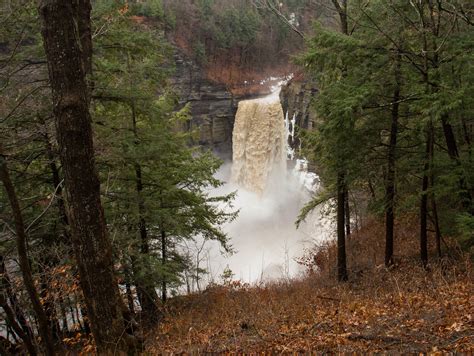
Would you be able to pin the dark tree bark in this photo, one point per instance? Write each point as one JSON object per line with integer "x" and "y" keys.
{"x": 83, "y": 10}
{"x": 390, "y": 179}
{"x": 434, "y": 208}
{"x": 424, "y": 196}
{"x": 341, "y": 236}
{"x": 450, "y": 139}
{"x": 371, "y": 189}
{"x": 438, "y": 236}
{"x": 163, "y": 262}
{"x": 92, "y": 248}
{"x": 44, "y": 327}
{"x": 423, "y": 226}
{"x": 341, "y": 7}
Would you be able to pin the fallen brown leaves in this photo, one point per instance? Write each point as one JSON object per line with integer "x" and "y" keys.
{"x": 405, "y": 309}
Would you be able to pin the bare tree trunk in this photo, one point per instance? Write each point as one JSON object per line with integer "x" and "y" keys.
{"x": 341, "y": 7}
{"x": 438, "y": 236}
{"x": 424, "y": 196}
{"x": 434, "y": 208}
{"x": 163, "y": 262}
{"x": 341, "y": 237}
{"x": 390, "y": 180}
{"x": 67, "y": 63}
{"x": 44, "y": 328}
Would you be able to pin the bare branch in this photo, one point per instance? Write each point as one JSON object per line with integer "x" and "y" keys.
{"x": 46, "y": 209}
{"x": 272, "y": 6}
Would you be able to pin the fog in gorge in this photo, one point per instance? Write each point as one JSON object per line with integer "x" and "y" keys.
{"x": 271, "y": 190}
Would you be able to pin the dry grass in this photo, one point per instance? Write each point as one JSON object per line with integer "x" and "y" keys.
{"x": 404, "y": 309}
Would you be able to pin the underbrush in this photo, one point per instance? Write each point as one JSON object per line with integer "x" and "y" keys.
{"x": 406, "y": 308}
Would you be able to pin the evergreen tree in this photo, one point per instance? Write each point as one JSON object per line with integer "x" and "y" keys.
{"x": 158, "y": 194}
{"x": 385, "y": 95}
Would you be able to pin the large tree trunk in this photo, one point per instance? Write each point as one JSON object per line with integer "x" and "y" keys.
{"x": 93, "y": 251}
{"x": 390, "y": 180}
{"x": 44, "y": 328}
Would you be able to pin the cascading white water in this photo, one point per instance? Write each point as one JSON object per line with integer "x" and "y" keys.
{"x": 269, "y": 196}
{"x": 259, "y": 144}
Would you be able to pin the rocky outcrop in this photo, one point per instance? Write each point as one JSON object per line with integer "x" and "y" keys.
{"x": 213, "y": 107}
{"x": 296, "y": 98}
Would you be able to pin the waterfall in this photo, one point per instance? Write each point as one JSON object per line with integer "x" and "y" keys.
{"x": 269, "y": 196}
{"x": 259, "y": 144}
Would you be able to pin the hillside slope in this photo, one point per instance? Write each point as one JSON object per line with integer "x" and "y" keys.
{"x": 404, "y": 309}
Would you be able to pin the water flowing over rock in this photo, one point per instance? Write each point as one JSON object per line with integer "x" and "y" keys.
{"x": 272, "y": 185}
{"x": 259, "y": 144}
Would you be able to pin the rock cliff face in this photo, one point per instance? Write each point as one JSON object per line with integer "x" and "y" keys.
{"x": 296, "y": 98}
{"x": 213, "y": 107}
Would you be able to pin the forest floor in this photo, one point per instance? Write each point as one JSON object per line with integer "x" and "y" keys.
{"x": 402, "y": 309}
